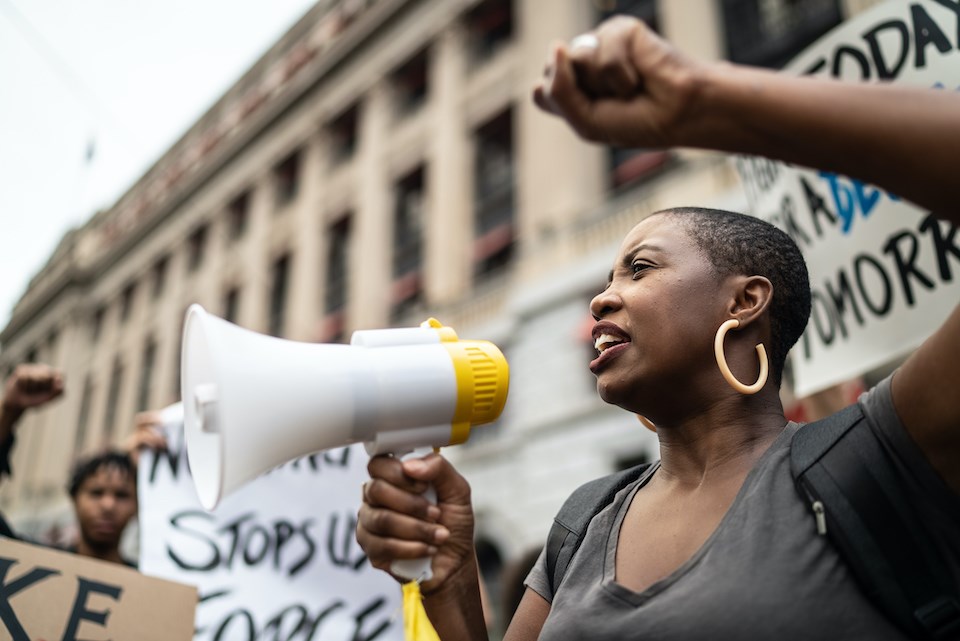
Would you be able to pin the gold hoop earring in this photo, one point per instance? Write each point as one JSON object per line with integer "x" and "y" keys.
{"x": 725, "y": 369}
{"x": 646, "y": 422}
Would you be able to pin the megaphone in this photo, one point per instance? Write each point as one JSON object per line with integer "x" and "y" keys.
{"x": 253, "y": 402}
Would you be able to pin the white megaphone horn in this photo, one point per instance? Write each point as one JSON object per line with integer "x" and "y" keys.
{"x": 253, "y": 402}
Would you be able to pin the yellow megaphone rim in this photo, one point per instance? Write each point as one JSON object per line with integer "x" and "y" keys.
{"x": 483, "y": 378}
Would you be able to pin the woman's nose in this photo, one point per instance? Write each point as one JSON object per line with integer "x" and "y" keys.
{"x": 605, "y": 302}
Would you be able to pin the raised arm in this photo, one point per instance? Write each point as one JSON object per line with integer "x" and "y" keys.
{"x": 630, "y": 88}
{"x": 904, "y": 139}
{"x": 30, "y": 385}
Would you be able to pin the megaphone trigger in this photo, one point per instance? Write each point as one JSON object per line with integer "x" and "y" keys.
{"x": 419, "y": 570}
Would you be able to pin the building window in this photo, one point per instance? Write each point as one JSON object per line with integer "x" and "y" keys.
{"x": 159, "y": 276}
{"x": 146, "y": 374}
{"x": 336, "y": 280}
{"x": 279, "y": 285}
{"x": 629, "y": 166}
{"x": 237, "y": 212}
{"x": 769, "y": 33}
{"x": 645, "y": 10}
{"x": 409, "y": 83}
{"x": 231, "y": 304}
{"x": 195, "y": 248}
{"x": 287, "y": 179}
{"x": 493, "y": 203}
{"x": 126, "y": 301}
{"x": 113, "y": 400}
{"x": 96, "y": 323}
{"x": 83, "y": 416}
{"x": 343, "y": 135}
{"x": 408, "y": 225}
{"x": 490, "y": 27}
{"x": 31, "y": 356}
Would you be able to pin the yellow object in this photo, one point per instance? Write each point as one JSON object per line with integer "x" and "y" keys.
{"x": 416, "y": 624}
{"x": 483, "y": 378}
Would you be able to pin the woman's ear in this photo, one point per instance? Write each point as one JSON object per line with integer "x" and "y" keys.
{"x": 752, "y": 296}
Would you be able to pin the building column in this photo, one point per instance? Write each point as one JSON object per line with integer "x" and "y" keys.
{"x": 303, "y": 304}
{"x": 256, "y": 286}
{"x": 449, "y": 174}
{"x": 559, "y": 176}
{"x": 369, "y": 298}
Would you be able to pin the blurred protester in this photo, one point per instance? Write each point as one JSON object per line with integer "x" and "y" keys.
{"x": 30, "y": 385}
{"x": 103, "y": 487}
{"x": 104, "y": 493}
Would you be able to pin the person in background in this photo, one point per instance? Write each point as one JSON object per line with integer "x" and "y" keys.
{"x": 30, "y": 385}
{"x": 102, "y": 487}
{"x": 104, "y": 492}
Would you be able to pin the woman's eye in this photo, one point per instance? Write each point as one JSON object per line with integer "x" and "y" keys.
{"x": 638, "y": 268}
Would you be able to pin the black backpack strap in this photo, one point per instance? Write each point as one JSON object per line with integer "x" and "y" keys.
{"x": 841, "y": 465}
{"x": 578, "y": 510}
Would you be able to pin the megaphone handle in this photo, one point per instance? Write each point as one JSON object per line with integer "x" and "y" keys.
{"x": 416, "y": 569}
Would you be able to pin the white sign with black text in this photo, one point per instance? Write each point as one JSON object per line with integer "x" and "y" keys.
{"x": 884, "y": 274}
{"x": 278, "y": 558}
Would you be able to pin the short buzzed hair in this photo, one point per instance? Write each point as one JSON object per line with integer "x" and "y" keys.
{"x": 740, "y": 244}
{"x": 85, "y": 468}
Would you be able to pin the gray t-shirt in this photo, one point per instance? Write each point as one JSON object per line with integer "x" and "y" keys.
{"x": 764, "y": 573}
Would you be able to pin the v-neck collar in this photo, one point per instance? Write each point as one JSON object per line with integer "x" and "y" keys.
{"x": 613, "y": 536}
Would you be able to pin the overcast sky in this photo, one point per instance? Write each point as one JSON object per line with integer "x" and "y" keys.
{"x": 123, "y": 80}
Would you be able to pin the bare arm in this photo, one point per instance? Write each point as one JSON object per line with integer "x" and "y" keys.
{"x": 529, "y": 618}
{"x": 634, "y": 89}
{"x": 906, "y": 140}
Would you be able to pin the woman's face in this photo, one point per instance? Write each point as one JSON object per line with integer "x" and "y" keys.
{"x": 657, "y": 318}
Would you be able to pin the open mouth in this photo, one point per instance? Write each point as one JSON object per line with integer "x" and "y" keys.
{"x": 609, "y": 341}
{"x": 604, "y": 342}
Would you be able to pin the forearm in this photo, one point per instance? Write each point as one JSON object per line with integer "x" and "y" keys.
{"x": 906, "y": 140}
{"x": 9, "y": 417}
{"x": 455, "y": 609}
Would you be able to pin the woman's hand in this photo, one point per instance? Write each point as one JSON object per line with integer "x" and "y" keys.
{"x": 621, "y": 85}
{"x": 396, "y": 522}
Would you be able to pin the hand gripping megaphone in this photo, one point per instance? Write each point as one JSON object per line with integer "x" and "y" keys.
{"x": 253, "y": 402}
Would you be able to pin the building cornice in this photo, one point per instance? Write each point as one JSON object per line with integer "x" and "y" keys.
{"x": 294, "y": 68}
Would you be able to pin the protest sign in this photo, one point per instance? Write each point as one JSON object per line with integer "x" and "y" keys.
{"x": 278, "y": 558}
{"x": 882, "y": 272}
{"x": 49, "y": 594}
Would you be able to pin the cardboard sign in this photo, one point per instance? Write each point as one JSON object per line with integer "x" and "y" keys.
{"x": 884, "y": 274}
{"x": 53, "y": 595}
{"x": 277, "y": 559}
